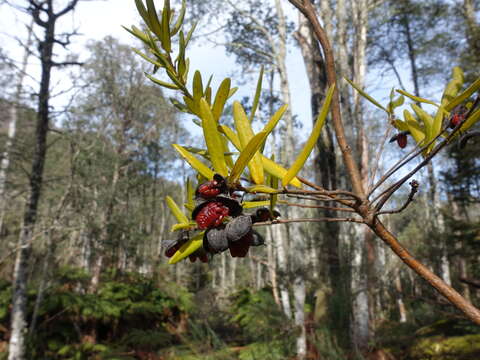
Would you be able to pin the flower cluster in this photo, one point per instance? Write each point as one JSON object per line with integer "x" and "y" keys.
{"x": 215, "y": 204}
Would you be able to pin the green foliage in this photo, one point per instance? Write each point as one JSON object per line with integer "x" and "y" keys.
{"x": 258, "y": 315}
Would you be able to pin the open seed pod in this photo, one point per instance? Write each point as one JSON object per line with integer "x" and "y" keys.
{"x": 215, "y": 240}
{"x": 240, "y": 248}
{"x": 238, "y": 227}
{"x": 200, "y": 254}
{"x": 212, "y": 188}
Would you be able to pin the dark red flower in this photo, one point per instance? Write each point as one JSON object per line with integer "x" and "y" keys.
{"x": 211, "y": 214}
{"x": 459, "y": 113}
{"x": 212, "y": 188}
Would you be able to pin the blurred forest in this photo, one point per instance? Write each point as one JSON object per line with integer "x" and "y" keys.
{"x": 83, "y": 187}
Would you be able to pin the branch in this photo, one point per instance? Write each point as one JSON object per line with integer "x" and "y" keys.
{"x": 325, "y": 219}
{"x": 66, "y": 9}
{"x": 414, "y": 188}
{"x": 451, "y": 294}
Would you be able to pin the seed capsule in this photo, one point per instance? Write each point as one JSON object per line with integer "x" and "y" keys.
{"x": 238, "y": 227}
{"x": 215, "y": 240}
{"x": 257, "y": 239}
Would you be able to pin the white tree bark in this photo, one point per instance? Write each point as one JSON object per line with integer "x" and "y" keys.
{"x": 12, "y": 125}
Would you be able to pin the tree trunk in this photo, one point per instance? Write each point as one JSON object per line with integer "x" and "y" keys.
{"x": 12, "y": 126}
{"x": 17, "y": 346}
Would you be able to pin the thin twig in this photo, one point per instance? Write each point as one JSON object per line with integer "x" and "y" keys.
{"x": 332, "y": 208}
{"x": 414, "y": 188}
{"x": 324, "y": 219}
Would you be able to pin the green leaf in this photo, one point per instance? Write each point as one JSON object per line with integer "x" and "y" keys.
{"x": 161, "y": 83}
{"x": 138, "y": 34}
{"x": 190, "y": 193}
{"x": 312, "y": 139}
{"x": 152, "y": 61}
{"x": 258, "y": 92}
{"x": 212, "y": 139}
{"x": 179, "y": 215}
{"x": 221, "y": 98}
{"x": 154, "y": 24}
{"x": 275, "y": 119}
{"x": 232, "y": 92}
{"x": 183, "y": 226}
{"x": 464, "y": 95}
{"x": 246, "y": 155}
{"x": 189, "y": 34}
{"x": 270, "y": 166}
{"x": 197, "y": 86}
{"x": 426, "y": 119}
{"x": 400, "y": 125}
{"x": 179, "y": 22}
{"x": 245, "y": 134}
{"x": 262, "y": 189}
{"x": 142, "y": 11}
{"x": 472, "y": 120}
{"x": 416, "y": 98}
{"x": 254, "y": 204}
{"x": 392, "y": 105}
{"x": 194, "y": 162}
{"x": 414, "y": 127}
{"x": 188, "y": 248}
{"x": 165, "y": 38}
{"x": 365, "y": 95}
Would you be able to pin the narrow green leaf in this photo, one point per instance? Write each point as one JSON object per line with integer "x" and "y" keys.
{"x": 190, "y": 193}
{"x": 175, "y": 209}
{"x": 275, "y": 119}
{"x": 212, "y": 139}
{"x": 142, "y": 11}
{"x": 197, "y": 86}
{"x": 220, "y": 99}
{"x": 154, "y": 23}
{"x": 166, "y": 38}
{"x": 464, "y": 95}
{"x": 246, "y": 155}
{"x": 254, "y": 204}
{"x": 189, "y": 34}
{"x": 232, "y": 92}
{"x": 392, "y": 105}
{"x": 262, "y": 189}
{"x": 400, "y": 125}
{"x": 416, "y": 98}
{"x": 258, "y": 92}
{"x": 269, "y": 165}
{"x": 472, "y": 120}
{"x": 194, "y": 162}
{"x": 179, "y": 22}
{"x": 312, "y": 139}
{"x": 245, "y": 134}
{"x": 365, "y": 95}
{"x": 161, "y": 83}
{"x": 414, "y": 127}
{"x": 188, "y": 248}
{"x": 176, "y": 227}
{"x": 138, "y": 34}
{"x": 227, "y": 153}
{"x": 427, "y": 120}
{"x": 150, "y": 60}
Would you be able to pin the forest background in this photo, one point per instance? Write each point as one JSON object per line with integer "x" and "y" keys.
{"x": 96, "y": 282}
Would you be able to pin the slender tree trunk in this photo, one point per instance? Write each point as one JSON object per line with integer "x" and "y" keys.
{"x": 17, "y": 346}
{"x": 12, "y": 125}
{"x": 272, "y": 268}
{"x": 281, "y": 240}
{"x": 399, "y": 295}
